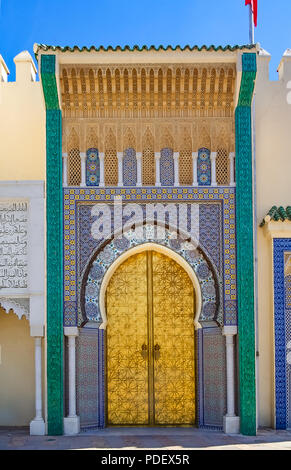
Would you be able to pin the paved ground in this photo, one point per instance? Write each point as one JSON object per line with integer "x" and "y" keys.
{"x": 146, "y": 438}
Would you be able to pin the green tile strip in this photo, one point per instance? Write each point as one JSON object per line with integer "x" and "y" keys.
{"x": 245, "y": 254}
{"x": 54, "y": 247}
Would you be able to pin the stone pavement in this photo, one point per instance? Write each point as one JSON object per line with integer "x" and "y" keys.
{"x": 146, "y": 438}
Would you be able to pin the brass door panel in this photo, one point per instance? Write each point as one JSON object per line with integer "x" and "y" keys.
{"x": 173, "y": 338}
{"x": 150, "y": 343}
{"x": 127, "y": 369}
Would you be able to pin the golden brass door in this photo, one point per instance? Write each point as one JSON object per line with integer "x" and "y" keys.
{"x": 150, "y": 343}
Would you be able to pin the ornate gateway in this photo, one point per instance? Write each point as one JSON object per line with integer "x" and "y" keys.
{"x": 150, "y": 343}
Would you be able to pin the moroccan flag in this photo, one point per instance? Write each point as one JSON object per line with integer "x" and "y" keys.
{"x": 254, "y": 4}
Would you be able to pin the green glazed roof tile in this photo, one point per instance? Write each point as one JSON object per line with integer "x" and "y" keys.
{"x": 278, "y": 213}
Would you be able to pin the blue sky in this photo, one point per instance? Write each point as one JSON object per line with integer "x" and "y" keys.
{"x": 87, "y": 22}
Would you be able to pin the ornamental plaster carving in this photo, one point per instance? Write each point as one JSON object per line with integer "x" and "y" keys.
{"x": 19, "y": 306}
{"x": 13, "y": 244}
{"x": 173, "y": 133}
{"x": 148, "y": 90}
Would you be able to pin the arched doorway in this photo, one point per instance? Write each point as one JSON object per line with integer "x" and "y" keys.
{"x": 150, "y": 343}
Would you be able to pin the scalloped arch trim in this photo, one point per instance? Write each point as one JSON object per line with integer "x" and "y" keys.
{"x": 18, "y": 308}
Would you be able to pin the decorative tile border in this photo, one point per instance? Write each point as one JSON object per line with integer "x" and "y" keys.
{"x": 245, "y": 254}
{"x": 282, "y": 329}
{"x": 75, "y": 196}
{"x": 54, "y": 269}
{"x": 203, "y": 269}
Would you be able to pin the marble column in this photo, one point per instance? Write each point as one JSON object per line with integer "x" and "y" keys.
{"x": 120, "y": 169}
{"x": 139, "y": 168}
{"x": 231, "y": 422}
{"x": 231, "y": 169}
{"x": 83, "y": 169}
{"x": 213, "y": 156}
{"x": 72, "y": 421}
{"x": 195, "y": 174}
{"x": 176, "y": 168}
{"x": 101, "y": 159}
{"x": 65, "y": 169}
{"x": 37, "y": 425}
{"x": 157, "y": 162}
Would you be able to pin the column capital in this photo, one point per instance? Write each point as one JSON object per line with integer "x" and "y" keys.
{"x": 229, "y": 330}
{"x": 176, "y": 155}
{"x": 231, "y": 155}
{"x": 101, "y": 155}
{"x": 213, "y": 155}
{"x": 138, "y": 155}
{"x": 119, "y": 155}
{"x": 83, "y": 154}
{"x": 71, "y": 331}
{"x": 65, "y": 155}
{"x": 37, "y": 331}
{"x": 194, "y": 155}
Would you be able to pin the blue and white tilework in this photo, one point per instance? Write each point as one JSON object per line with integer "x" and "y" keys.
{"x": 167, "y": 167}
{"x": 129, "y": 167}
{"x": 112, "y": 250}
{"x": 92, "y": 167}
{"x": 282, "y": 320}
{"x": 204, "y": 167}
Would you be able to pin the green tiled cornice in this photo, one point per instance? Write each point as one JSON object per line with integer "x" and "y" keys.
{"x": 54, "y": 247}
{"x": 278, "y": 213}
{"x": 45, "y": 47}
{"x": 245, "y": 254}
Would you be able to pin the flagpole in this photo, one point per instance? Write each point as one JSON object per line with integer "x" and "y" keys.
{"x": 252, "y": 29}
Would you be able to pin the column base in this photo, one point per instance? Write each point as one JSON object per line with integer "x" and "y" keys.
{"x": 231, "y": 424}
{"x": 37, "y": 427}
{"x": 71, "y": 425}
{"x": 158, "y": 184}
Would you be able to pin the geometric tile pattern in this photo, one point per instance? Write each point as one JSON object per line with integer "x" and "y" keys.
{"x": 129, "y": 167}
{"x": 167, "y": 167}
{"x": 204, "y": 167}
{"x": 214, "y": 376}
{"x": 87, "y": 376}
{"x": 94, "y": 277}
{"x": 92, "y": 168}
{"x": 282, "y": 327}
{"x": 217, "y": 234}
{"x": 211, "y": 390}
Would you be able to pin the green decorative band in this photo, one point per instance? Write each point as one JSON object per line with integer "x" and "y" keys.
{"x": 54, "y": 247}
{"x": 245, "y": 255}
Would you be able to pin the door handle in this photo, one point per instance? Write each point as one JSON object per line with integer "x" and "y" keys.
{"x": 157, "y": 351}
{"x": 144, "y": 351}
